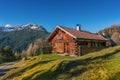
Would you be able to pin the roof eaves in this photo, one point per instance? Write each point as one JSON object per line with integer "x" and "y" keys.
{"x": 103, "y": 38}
{"x": 89, "y": 39}
{"x": 51, "y": 34}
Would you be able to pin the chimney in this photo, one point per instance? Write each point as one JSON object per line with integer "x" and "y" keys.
{"x": 78, "y": 27}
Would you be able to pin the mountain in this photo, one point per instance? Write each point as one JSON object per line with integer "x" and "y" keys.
{"x": 113, "y": 32}
{"x": 101, "y": 65}
{"x": 9, "y": 27}
{"x": 19, "y": 37}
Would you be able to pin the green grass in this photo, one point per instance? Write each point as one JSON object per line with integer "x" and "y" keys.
{"x": 102, "y": 65}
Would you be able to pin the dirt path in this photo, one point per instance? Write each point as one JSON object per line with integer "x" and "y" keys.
{"x": 6, "y": 67}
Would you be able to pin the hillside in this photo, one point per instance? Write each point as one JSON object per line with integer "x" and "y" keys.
{"x": 102, "y": 65}
{"x": 18, "y": 38}
{"x": 113, "y": 32}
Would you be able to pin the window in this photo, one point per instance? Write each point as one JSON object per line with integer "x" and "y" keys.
{"x": 60, "y": 37}
{"x": 92, "y": 44}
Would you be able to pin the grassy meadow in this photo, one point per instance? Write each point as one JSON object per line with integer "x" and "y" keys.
{"x": 101, "y": 65}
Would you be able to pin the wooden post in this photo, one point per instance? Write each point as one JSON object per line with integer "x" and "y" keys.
{"x": 80, "y": 50}
{"x": 89, "y": 44}
{"x": 96, "y": 44}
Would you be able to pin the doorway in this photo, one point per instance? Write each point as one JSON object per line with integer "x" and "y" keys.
{"x": 65, "y": 47}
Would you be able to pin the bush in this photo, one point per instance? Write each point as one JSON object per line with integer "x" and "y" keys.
{"x": 6, "y": 54}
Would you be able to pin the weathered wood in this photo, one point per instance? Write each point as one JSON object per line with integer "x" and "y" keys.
{"x": 64, "y": 43}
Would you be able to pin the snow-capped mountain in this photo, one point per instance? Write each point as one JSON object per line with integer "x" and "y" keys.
{"x": 9, "y": 27}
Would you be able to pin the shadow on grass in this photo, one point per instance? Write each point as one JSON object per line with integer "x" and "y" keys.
{"x": 30, "y": 77}
{"x": 3, "y": 71}
{"x": 116, "y": 76}
{"x": 66, "y": 67}
{"x": 21, "y": 70}
{"x": 107, "y": 55}
{"x": 48, "y": 74}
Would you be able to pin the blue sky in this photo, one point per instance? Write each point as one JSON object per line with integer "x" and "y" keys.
{"x": 93, "y": 15}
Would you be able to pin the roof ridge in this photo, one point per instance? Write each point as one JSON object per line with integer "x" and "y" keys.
{"x": 77, "y": 30}
{"x": 79, "y": 34}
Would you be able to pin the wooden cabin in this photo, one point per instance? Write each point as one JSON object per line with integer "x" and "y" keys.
{"x": 75, "y": 41}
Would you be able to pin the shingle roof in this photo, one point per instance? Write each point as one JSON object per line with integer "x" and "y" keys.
{"x": 77, "y": 34}
{"x": 83, "y": 34}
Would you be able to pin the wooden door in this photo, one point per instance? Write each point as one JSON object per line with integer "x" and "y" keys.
{"x": 66, "y": 47}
